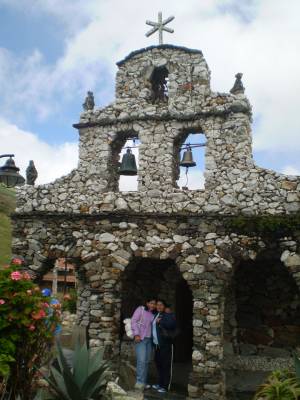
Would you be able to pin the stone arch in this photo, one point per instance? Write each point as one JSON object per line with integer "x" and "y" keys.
{"x": 115, "y": 148}
{"x": 262, "y": 302}
{"x": 178, "y": 141}
{"x": 111, "y": 292}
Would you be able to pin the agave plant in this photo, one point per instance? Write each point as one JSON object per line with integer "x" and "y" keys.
{"x": 280, "y": 385}
{"x": 86, "y": 379}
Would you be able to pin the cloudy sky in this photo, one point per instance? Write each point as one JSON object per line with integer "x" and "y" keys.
{"x": 53, "y": 51}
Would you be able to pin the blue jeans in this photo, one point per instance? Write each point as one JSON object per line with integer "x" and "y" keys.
{"x": 143, "y": 352}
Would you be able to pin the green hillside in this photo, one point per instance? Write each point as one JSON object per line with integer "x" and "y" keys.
{"x": 7, "y": 205}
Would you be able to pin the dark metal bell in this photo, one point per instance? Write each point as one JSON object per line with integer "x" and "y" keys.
{"x": 187, "y": 159}
{"x": 128, "y": 165}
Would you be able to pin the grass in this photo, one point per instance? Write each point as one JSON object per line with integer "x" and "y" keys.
{"x": 7, "y": 206}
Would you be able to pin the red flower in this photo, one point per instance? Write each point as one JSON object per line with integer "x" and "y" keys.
{"x": 39, "y": 314}
{"x": 31, "y": 327}
{"x": 2, "y": 302}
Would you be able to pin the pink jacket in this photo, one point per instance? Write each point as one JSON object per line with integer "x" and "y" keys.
{"x": 141, "y": 322}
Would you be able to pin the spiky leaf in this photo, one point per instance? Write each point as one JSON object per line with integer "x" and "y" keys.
{"x": 81, "y": 363}
{"x": 94, "y": 382}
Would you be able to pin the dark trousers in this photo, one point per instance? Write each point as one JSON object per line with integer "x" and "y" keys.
{"x": 163, "y": 360}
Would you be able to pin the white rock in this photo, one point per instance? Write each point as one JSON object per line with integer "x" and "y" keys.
{"x": 107, "y": 237}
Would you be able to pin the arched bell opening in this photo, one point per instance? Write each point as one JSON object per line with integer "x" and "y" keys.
{"x": 189, "y": 160}
{"x": 123, "y": 163}
{"x": 159, "y": 85}
{"x": 153, "y": 278}
{"x": 261, "y": 322}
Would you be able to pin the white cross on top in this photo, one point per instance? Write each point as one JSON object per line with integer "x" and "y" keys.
{"x": 160, "y": 26}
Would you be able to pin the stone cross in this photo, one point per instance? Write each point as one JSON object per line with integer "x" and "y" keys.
{"x": 160, "y": 26}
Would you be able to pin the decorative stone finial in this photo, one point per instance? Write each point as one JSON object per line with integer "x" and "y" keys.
{"x": 31, "y": 173}
{"x": 238, "y": 86}
{"x": 89, "y": 102}
{"x": 160, "y": 27}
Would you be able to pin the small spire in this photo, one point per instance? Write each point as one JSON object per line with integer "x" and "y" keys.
{"x": 238, "y": 86}
{"x": 89, "y": 102}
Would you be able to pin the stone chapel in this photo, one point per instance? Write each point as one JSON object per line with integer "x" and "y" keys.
{"x": 226, "y": 257}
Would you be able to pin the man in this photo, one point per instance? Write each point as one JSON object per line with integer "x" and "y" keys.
{"x": 163, "y": 328}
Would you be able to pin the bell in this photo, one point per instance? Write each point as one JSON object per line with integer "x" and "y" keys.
{"x": 128, "y": 165}
{"x": 187, "y": 159}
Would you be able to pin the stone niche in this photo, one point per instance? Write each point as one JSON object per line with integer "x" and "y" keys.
{"x": 237, "y": 304}
{"x": 261, "y": 321}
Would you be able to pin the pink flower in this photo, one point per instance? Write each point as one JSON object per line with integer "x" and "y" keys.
{"x": 16, "y": 276}
{"x": 31, "y": 327}
{"x": 46, "y": 305}
{"x": 38, "y": 315}
{"x": 2, "y": 302}
{"x": 26, "y": 276}
{"x": 17, "y": 261}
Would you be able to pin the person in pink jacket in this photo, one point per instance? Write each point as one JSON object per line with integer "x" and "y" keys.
{"x": 141, "y": 325}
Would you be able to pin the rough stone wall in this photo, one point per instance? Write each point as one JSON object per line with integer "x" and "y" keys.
{"x": 263, "y": 314}
{"x": 83, "y": 216}
{"x": 233, "y": 183}
{"x": 104, "y": 246}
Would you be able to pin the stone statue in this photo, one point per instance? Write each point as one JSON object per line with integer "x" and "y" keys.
{"x": 238, "y": 86}
{"x": 89, "y": 102}
{"x": 31, "y": 173}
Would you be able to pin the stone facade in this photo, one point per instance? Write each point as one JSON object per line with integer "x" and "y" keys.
{"x": 108, "y": 234}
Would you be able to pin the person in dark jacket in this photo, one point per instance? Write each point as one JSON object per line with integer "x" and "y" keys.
{"x": 162, "y": 327}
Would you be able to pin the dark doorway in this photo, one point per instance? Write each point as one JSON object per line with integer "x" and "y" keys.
{"x": 146, "y": 277}
{"x": 184, "y": 317}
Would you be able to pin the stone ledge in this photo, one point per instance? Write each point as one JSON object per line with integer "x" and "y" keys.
{"x": 256, "y": 363}
{"x": 165, "y": 117}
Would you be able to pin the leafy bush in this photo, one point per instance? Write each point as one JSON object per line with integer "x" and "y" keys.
{"x": 27, "y": 323}
{"x": 87, "y": 379}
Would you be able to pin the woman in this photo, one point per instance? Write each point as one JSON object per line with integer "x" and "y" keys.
{"x": 163, "y": 329}
{"x": 141, "y": 324}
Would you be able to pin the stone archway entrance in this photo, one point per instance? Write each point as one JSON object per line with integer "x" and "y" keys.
{"x": 145, "y": 278}
{"x": 261, "y": 324}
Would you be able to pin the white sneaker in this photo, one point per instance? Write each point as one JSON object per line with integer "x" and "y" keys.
{"x": 155, "y": 387}
{"x": 162, "y": 390}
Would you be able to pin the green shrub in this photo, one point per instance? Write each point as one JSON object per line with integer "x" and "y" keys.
{"x": 27, "y": 323}
{"x": 280, "y": 385}
{"x": 86, "y": 379}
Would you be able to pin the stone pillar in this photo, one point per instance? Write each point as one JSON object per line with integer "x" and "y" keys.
{"x": 207, "y": 380}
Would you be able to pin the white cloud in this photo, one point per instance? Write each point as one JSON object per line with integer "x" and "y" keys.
{"x": 194, "y": 180}
{"x": 290, "y": 170}
{"x": 50, "y": 161}
{"x": 260, "y": 38}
